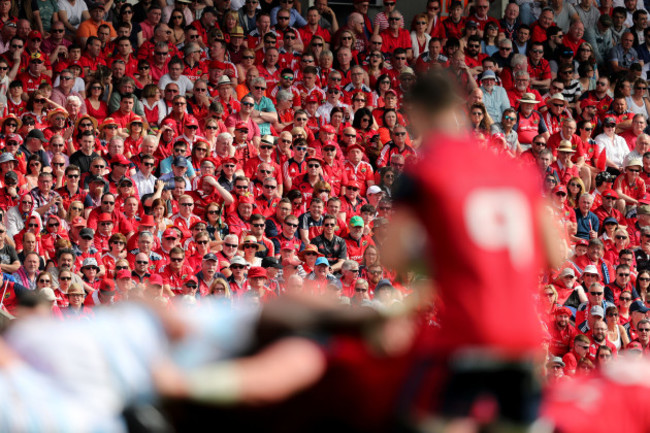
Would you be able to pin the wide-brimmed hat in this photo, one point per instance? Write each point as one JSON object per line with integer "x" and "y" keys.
{"x": 528, "y": 98}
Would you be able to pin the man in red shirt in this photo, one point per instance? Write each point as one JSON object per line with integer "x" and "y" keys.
{"x": 567, "y": 133}
{"x": 124, "y": 115}
{"x": 207, "y": 22}
{"x": 357, "y": 169}
{"x": 639, "y": 125}
{"x": 356, "y": 242}
{"x": 599, "y": 338}
{"x": 562, "y": 332}
{"x": 539, "y": 27}
{"x": 92, "y": 56}
{"x": 629, "y": 185}
{"x": 34, "y": 76}
{"x": 312, "y": 28}
{"x": 395, "y": 36}
{"x": 175, "y": 272}
{"x": 607, "y": 209}
{"x": 563, "y": 165}
{"x": 473, "y": 56}
{"x": 573, "y": 38}
{"x": 481, "y": 17}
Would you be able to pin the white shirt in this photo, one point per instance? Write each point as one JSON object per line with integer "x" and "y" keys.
{"x": 145, "y": 185}
{"x": 184, "y": 84}
{"x": 324, "y": 110}
{"x": 617, "y": 149}
{"x": 74, "y": 11}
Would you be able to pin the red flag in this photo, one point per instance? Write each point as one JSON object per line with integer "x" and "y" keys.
{"x": 601, "y": 162}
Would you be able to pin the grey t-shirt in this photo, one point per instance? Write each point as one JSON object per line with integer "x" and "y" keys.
{"x": 8, "y": 255}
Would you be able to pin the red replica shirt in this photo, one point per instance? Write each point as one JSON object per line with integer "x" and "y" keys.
{"x": 195, "y": 72}
{"x": 391, "y": 42}
{"x": 562, "y": 339}
{"x": 306, "y": 34}
{"x": 540, "y": 71}
{"x": 636, "y": 190}
{"x": 356, "y": 248}
{"x": 175, "y": 279}
{"x": 452, "y": 29}
{"x": 362, "y": 173}
{"x": 31, "y": 83}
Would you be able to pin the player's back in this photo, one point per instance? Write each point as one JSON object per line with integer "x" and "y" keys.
{"x": 480, "y": 211}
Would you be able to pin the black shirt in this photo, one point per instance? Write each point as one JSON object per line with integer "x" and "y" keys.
{"x": 336, "y": 249}
{"x": 82, "y": 160}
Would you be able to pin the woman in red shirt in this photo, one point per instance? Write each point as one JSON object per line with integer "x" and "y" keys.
{"x": 95, "y": 106}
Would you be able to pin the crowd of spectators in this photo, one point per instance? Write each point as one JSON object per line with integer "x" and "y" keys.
{"x": 178, "y": 150}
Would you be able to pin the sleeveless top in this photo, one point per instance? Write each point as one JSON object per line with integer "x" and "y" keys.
{"x": 617, "y": 343}
{"x": 636, "y": 109}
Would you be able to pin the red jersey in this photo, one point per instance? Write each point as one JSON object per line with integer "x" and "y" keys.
{"x": 635, "y": 190}
{"x": 477, "y": 218}
{"x": 562, "y": 339}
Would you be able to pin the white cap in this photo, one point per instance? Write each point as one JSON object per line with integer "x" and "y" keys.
{"x": 566, "y": 272}
{"x": 374, "y": 189}
{"x": 47, "y": 294}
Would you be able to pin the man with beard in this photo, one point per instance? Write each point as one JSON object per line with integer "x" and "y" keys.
{"x": 562, "y": 332}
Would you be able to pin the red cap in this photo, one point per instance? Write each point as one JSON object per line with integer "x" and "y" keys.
{"x": 147, "y": 221}
{"x": 230, "y": 159}
{"x": 241, "y": 125}
{"x": 78, "y": 222}
{"x": 35, "y": 34}
{"x": 610, "y": 193}
{"x": 335, "y": 87}
{"x": 328, "y": 128}
{"x": 353, "y": 184}
{"x": 104, "y": 217}
{"x": 169, "y": 122}
{"x": 257, "y": 272}
{"x": 584, "y": 242}
{"x": 315, "y": 158}
{"x": 156, "y": 280}
{"x": 246, "y": 199}
{"x": 390, "y": 91}
{"x": 212, "y": 159}
{"x": 170, "y": 233}
{"x": 107, "y": 286}
{"x": 355, "y": 146}
{"x": 191, "y": 279}
{"x": 588, "y": 103}
{"x": 191, "y": 121}
{"x": 560, "y": 188}
{"x": 120, "y": 159}
{"x": 330, "y": 143}
{"x": 14, "y": 137}
{"x": 123, "y": 273}
{"x": 563, "y": 310}
{"x": 313, "y": 97}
